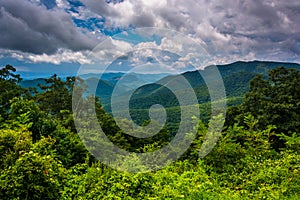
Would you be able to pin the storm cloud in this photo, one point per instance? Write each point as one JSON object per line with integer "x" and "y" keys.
{"x": 230, "y": 30}
{"x": 248, "y": 29}
{"x": 33, "y": 28}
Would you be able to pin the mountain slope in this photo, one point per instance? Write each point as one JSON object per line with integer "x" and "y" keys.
{"x": 236, "y": 77}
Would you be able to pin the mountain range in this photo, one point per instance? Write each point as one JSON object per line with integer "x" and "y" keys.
{"x": 236, "y": 77}
{"x": 151, "y": 88}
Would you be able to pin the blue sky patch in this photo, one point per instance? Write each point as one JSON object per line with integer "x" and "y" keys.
{"x": 75, "y": 3}
{"x": 49, "y": 3}
{"x": 134, "y": 38}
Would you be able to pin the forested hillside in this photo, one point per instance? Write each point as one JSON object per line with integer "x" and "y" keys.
{"x": 256, "y": 157}
{"x": 236, "y": 77}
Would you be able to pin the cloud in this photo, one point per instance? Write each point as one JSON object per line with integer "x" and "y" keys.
{"x": 32, "y": 28}
{"x": 43, "y": 30}
{"x": 100, "y": 7}
{"x": 110, "y": 50}
{"x": 61, "y": 56}
{"x": 267, "y": 29}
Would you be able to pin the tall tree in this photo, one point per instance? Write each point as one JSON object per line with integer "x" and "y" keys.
{"x": 57, "y": 94}
{"x": 274, "y": 100}
{"x": 9, "y": 88}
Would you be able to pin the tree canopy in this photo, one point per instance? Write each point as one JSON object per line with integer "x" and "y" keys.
{"x": 43, "y": 157}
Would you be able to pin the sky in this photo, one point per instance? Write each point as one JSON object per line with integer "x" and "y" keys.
{"x": 43, "y": 37}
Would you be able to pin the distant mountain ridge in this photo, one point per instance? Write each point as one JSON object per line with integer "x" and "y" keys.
{"x": 236, "y": 77}
{"x": 105, "y": 86}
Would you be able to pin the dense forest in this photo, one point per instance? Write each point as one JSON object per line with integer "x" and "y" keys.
{"x": 256, "y": 157}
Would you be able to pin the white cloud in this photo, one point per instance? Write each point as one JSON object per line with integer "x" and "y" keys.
{"x": 109, "y": 50}
{"x": 62, "y": 56}
{"x": 62, "y": 4}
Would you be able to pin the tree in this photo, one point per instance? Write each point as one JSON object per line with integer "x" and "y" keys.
{"x": 57, "y": 94}
{"x": 274, "y": 100}
{"x": 9, "y": 88}
{"x": 25, "y": 112}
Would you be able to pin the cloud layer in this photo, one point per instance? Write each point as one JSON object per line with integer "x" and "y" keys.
{"x": 248, "y": 29}
{"x": 47, "y": 30}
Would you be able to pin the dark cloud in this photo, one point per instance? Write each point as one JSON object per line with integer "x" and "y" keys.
{"x": 100, "y": 7}
{"x": 31, "y": 28}
{"x": 273, "y": 26}
{"x": 266, "y": 15}
{"x": 268, "y": 29}
{"x": 143, "y": 20}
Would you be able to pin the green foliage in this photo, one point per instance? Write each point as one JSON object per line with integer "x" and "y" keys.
{"x": 272, "y": 101}
{"x": 57, "y": 94}
{"x": 32, "y": 176}
{"x": 24, "y": 112}
{"x": 12, "y": 145}
{"x": 43, "y": 157}
{"x": 9, "y": 88}
{"x": 28, "y": 171}
{"x": 292, "y": 142}
{"x": 275, "y": 100}
{"x": 68, "y": 147}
